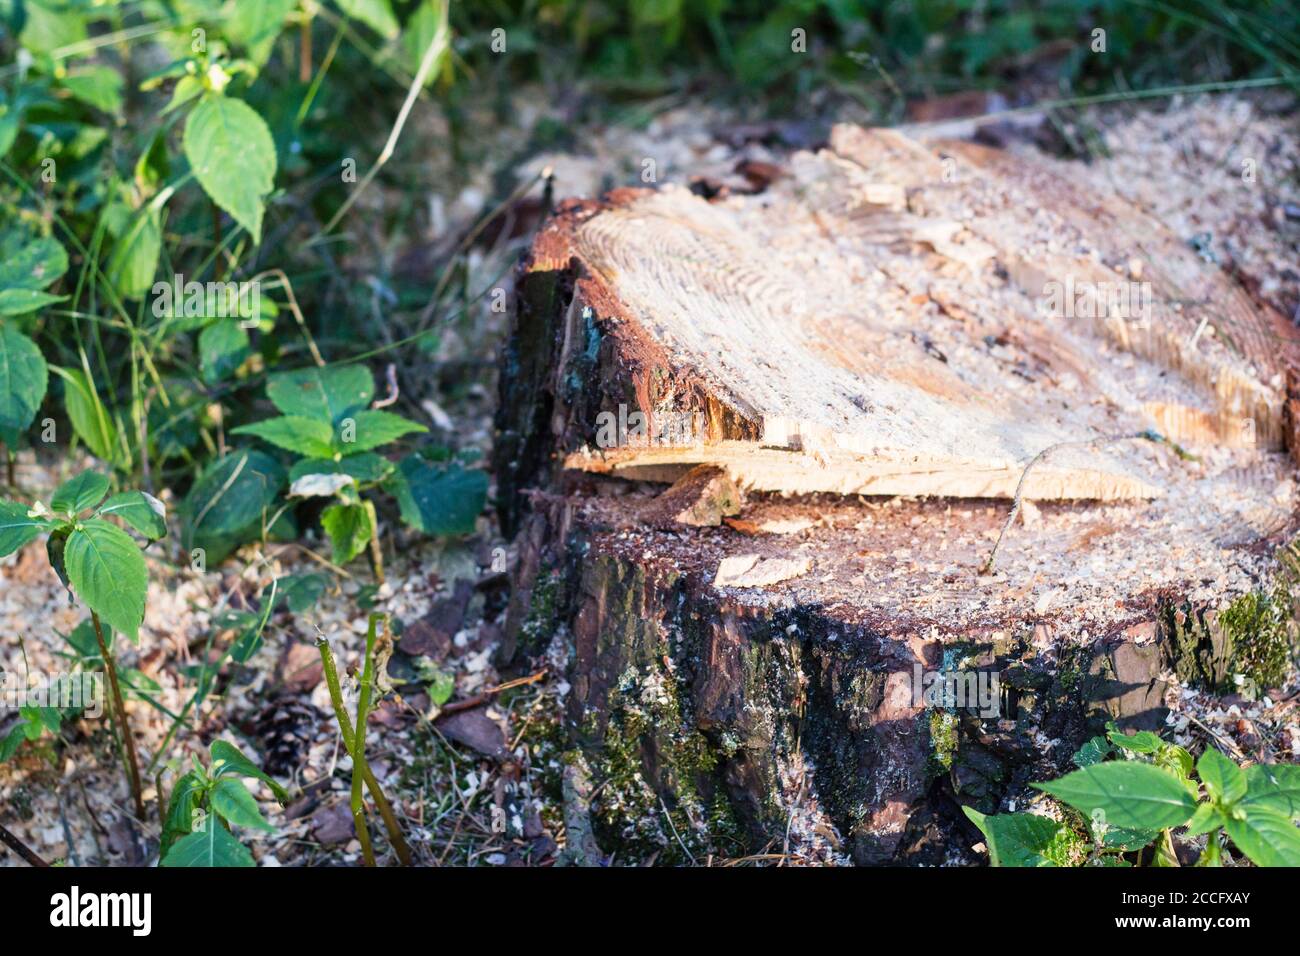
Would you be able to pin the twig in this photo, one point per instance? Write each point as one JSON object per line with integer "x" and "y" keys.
{"x": 21, "y": 848}
{"x": 437, "y": 46}
{"x": 1147, "y": 435}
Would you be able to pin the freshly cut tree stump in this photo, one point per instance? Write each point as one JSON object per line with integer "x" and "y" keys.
{"x": 875, "y": 349}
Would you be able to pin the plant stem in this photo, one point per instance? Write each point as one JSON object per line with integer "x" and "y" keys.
{"x": 345, "y": 726}
{"x": 21, "y": 848}
{"x": 128, "y": 743}
{"x": 376, "y": 550}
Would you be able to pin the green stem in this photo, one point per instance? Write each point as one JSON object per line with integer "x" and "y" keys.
{"x": 376, "y": 550}
{"x": 345, "y": 726}
{"x": 128, "y": 743}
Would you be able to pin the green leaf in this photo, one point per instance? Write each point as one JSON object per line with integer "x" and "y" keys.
{"x": 90, "y": 419}
{"x": 376, "y": 14}
{"x": 108, "y": 573}
{"x": 365, "y": 468}
{"x": 16, "y": 528}
{"x": 254, "y": 26}
{"x": 82, "y": 639}
{"x": 1273, "y": 787}
{"x": 134, "y": 260}
{"x": 24, "y": 378}
{"x": 1267, "y": 837}
{"x": 51, "y": 25}
{"x": 233, "y": 761}
{"x": 1206, "y": 818}
{"x": 1092, "y": 752}
{"x": 371, "y": 428}
{"x": 306, "y": 436}
{"x": 229, "y": 502}
{"x": 1026, "y": 839}
{"x": 97, "y": 86}
{"x": 299, "y": 592}
{"x": 142, "y": 512}
{"x": 26, "y": 269}
{"x": 435, "y": 499}
{"x": 1142, "y": 742}
{"x": 223, "y": 347}
{"x": 185, "y": 799}
{"x": 77, "y": 494}
{"x": 327, "y": 394}
{"x": 233, "y": 157}
{"x": 1132, "y": 795}
{"x": 349, "y": 530}
{"x": 233, "y": 803}
{"x": 210, "y": 847}
{"x": 1223, "y": 780}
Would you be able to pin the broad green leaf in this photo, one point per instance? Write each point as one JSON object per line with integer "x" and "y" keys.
{"x": 51, "y": 24}
{"x": 1092, "y": 752}
{"x": 1142, "y": 742}
{"x": 1267, "y": 837}
{"x": 372, "y": 428}
{"x": 223, "y": 347}
{"x": 376, "y": 14}
{"x": 97, "y": 86}
{"x": 1132, "y": 795}
{"x": 27, "y": 268}
{"x": 16, "y": 528}
{"x": 55, "y": 545}
{"x": 1223, "y": 780}
{"x": 134, "y": 260}
{"x": 212, "y": 846}
{"x": 1026, "y": 839}
{"x": 77, "y": 494}
{"x": 229, "y": 503}
{"x": 1273, "y": 787}
{"x": 366, "y": 467}
{"x": 438, "y": 499}
{"x": 24, "y": 378}
{"x": 327, "y": 394}
{"x": 299, "y": 592}
{"x": 181, "y": 809}
{"x": 108, "y": 573}
{"x": 82, "y": 639}
{"x": 421, "y": 29}
{"x": 231, "y": 800}
{"x": 233, "y": 761}
{"x": 306, "y": 436}
{"x": 233, "y": 157}
{"x": 1206, "y": 818}
{"x": 349, "y": 530}
{"x": 254, "y": 26}
{"x": 1119, "y": 838}
{"x": 90, "y": 419}
{"x": 143, "y": 512}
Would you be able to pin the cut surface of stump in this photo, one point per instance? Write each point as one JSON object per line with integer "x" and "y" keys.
{"x": 875, "y": 348}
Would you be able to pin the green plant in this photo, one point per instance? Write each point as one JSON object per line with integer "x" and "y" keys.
{"x": 326, "y": 419}
{"x": 355, "y": 742}
{"x": 205, "y": 803}
{"x": 99, "y": 562}
{"x": 1137, "y": 803}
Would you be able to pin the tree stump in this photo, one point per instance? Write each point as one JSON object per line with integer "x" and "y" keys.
{"x": 847, "y": 376}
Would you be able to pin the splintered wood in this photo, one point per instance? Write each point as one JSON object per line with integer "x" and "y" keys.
{"x": 899, "y": 318}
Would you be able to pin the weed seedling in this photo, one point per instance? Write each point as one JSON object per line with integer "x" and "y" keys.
{"x": 98, "y": 562}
